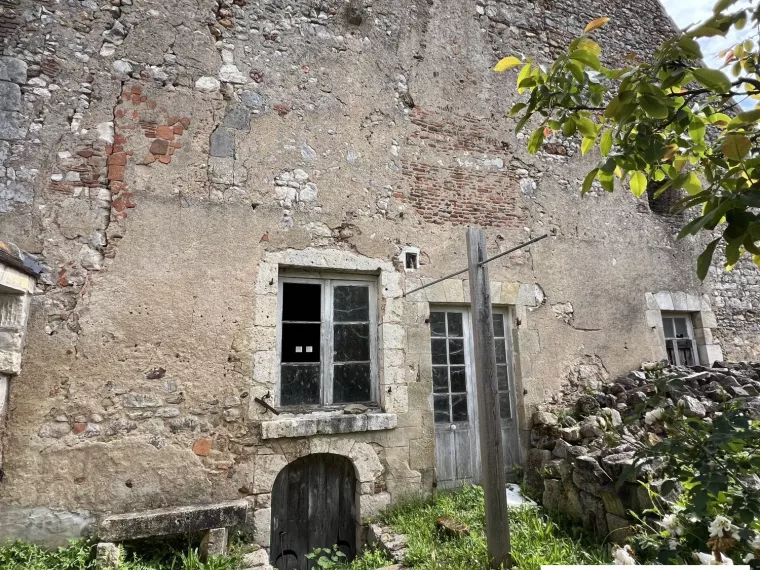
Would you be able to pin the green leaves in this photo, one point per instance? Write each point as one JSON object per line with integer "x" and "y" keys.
{"x": 595, "y": 24}
{"x": 586, "y": 126}
{"x": 692, "y": 184}
{"x": 587, "y": 58}
{"x": 507, "y": 63}
{"x": 605, "y": 146}
{"x": 697, "y": 130}
{"x": 735, "y": 147}
{"x": 653, "y": 107}
{"x": 705, "y": 259}
{"x": 713, "y": 79}
{"x": 588, "y": 181}
{"x": 638, "y": 183}
{"x": 536, "y": 140}
{"x": 587, "y": 144}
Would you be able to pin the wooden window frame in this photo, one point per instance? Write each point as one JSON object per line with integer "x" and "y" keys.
{"x": 328, "y": 281}
{"x": 689, "y": 330}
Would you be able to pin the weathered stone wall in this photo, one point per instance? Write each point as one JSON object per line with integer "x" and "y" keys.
{"x": 166, "y": 160}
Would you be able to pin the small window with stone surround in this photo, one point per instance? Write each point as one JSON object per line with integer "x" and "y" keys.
{"x": 680, "y": 343}
{"x": 327, "y": 340}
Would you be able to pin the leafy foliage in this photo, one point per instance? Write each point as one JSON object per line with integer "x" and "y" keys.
{"x": 666, "y": 119}
{"x": 711, "y": 466}
{"x": 536, "y": 537}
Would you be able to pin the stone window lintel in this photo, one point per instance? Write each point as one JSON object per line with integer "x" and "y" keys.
{"x": 325, "y": 423}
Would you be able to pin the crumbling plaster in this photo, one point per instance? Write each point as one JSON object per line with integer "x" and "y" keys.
{"x": 192, "y": 161}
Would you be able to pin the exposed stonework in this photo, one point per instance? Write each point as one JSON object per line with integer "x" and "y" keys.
{"x": 167, "y": 163}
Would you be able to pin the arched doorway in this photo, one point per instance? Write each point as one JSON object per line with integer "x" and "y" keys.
{"x": 313, "y": 505}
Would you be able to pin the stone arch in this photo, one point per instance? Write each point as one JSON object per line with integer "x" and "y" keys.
{"x": 314, "y": 504}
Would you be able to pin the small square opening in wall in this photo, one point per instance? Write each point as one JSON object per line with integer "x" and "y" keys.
{"x": 410, "y": 257}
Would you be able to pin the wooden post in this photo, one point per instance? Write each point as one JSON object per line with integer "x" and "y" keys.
{"x": 491, "y": 447}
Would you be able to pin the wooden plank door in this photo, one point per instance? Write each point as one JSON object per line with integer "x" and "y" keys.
{"x": 506, "y": 386}
{"x": 454, "y": 401}
{"x": 313, "y": 506}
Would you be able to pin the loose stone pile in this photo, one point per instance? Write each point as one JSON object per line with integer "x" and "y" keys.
{"x": 577, "y": 455}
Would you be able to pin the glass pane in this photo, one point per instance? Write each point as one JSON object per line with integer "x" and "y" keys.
{"x": 455, "y": 324}
{"x": 681, "y": 331}
{"x": 501, "y": 350}
{"x": 498, "y": 324}
{"x": 456, "y": 351}
{"x": 459, "y": 407}
{"x": 301, "y": 302}
{"x": 351, "y": 342}
{"x": 502, "y": 378}
{"x": 438, "y": 324}
{"x": 438, "y": 348}
{"x": 441, "y": 379}
{"x": 300, "y": 342}
{"x": 671, "y": 351}
{"x": 299, "y": 384}
{"x": 458, "y": 379}
{"x": 350, "y": 303}
{"x": 441, "y": 409}
{"x": 667, "y": 324}
{"x": 685, "y": 353}
{"x": 505, "y": 409}
{"x": 351, "y": 383}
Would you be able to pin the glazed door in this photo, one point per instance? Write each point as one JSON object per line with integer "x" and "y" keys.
{"x": 454, "y": 402}
{"x": 504, "y": 372}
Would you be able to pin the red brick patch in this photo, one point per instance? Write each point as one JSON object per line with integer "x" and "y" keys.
{"x": 202, "y": 447}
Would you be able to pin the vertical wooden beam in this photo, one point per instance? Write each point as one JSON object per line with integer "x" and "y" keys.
{"x": 491, "y": 448}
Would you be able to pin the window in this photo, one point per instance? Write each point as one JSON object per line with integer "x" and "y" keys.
{"x": 451, "y": 351}
{"x": 679, "y": 339}
{"x": 327, "y": 341}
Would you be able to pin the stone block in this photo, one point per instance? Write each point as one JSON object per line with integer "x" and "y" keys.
{"x": 589, "y": 476}
{"x": 545, "y": 418}
{"x": 107, "y": 556}
{"x": 530, "y": 295}
{"x": 266, "y": 471}
{"x": 703, "y": 336}
{"x": 366, "y": 462}
{"x": 377, "y": 421}
{"x": 594, "y": 516}
{"x": 396, "y": 399}
{"x": 612, "y": 503}
{"x": 654, "y": 318}
{"x": 262, "y": 521}
{"x": 679, "y": 301}
{"x": 619, "y": 528}
{"x": 664, "y": 301}
{"x": 10, "y": 96}
{"x": 265, "y": 366}
{"x": 266, "y": 279}
{"x": 495, "y": 290}
{"x": 705, "y": 320}
{"x": 289, "y": 427}
{"x": 509, "y": 293}
{"x": 222, "y": 143}
{"x": 238, "y": 118}
{"x": 13, "y": 69}
{"x": 693, "y": 303}
{"x": 12, "y": 126}
{"x": 256, "y": 559}
{"x": 177, "y": 520}
{"x": 534, "y": 465}
{"x": 453, "y": 290}
{"x": 528, "y": 341}
{"x": 372, "y": 505}
{"x": 393, "y": 335}
{"x": 709, "y": 353}
{"x": 652, "y": 303}
{"x": 214, "y": 543}
{"x": 266, "y": 311}
{"x": 221, "y": 170}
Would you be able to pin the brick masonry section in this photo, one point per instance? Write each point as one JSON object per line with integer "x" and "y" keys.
{"x": 472, "y": 186}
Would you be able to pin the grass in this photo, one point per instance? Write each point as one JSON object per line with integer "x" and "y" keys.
{"x": 537, "y": 537}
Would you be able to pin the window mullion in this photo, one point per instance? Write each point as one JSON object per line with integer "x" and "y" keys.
{"x": 327, "y": 348}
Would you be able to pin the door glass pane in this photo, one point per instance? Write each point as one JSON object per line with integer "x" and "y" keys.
{"x": 502, "y": 377}
{"x": 498, "y": 324}
{"x": 351, "y": 343}
{"x": 458, "y": 379}
{"x": 440, "y": 379}
{"x": 455, "y": 324}
{"x": 437, "y": 324}
{"x": 685, "y": 353}
{"x": 505, "y": 408}
{"x": 500, "y": 345}
{"x": 300, "y": 342}
{"x": 302, "y": 302}
{"x": 351, "y": 383}
{"x": 681, "y": 331}
{"x": 456, "y": 351}
{"x": 438, "y": 348}
{"x": 299, "y": 384}
{"x": 667, "y": 324}
{"x": 441, "y": 408}
{"x": 459, "y": 407}
{"x": 351, "y": 303}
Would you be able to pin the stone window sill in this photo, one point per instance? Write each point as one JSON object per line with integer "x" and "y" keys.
{"x": 326, "y": 423}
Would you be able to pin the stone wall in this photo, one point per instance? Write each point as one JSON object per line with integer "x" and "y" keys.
{"x": 167, "y": 161}
{"x": 579, "y": 452}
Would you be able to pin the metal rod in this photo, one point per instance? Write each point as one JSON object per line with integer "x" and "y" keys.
{"x": 450, "y": 275}
{"x": 267, "y": 406}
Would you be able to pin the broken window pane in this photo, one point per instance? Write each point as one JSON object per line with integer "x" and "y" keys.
{"x": 440, "y": 379}
{"x": 502, "y": 377}
{"x": 505, "y": 408}
{"x": 685, "y": 353}
{"x": 458, "y": 379}
{"x": 437, "y": 324}
{"x": 671, "y": 351}
{"x": 498, "y": 324}
{"x": 667, "y": 324}
{"x": 438, "y": 348}
{"x": 459, "y": 407}
{"x": 302, "y": 302}
{"x": 300, "y": 342}
{"x": 456, "y": 351}
{"x": 501, "y": 350}
{"x": 351, "y": 303}
{"x": 455, "y": 324}
{"x": 681, "y": 331}
{"x": 351, "y": 343}
{"x": 299, "y": 384}
{"x": 351, "y": 383}
{"x": 441, "y": 408}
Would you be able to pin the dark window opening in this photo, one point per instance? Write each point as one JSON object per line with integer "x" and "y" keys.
{"x": 411, "y": 260}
